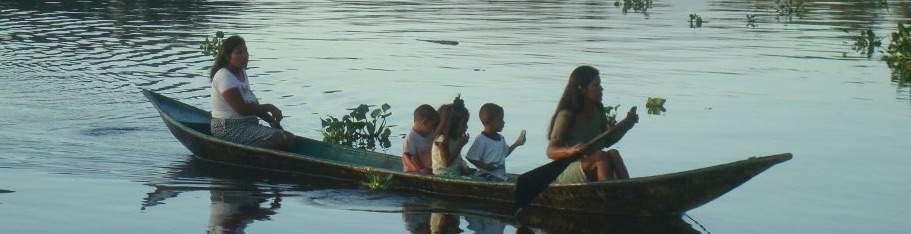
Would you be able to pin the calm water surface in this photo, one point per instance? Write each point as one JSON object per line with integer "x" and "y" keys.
{"x": 83, "y": 152}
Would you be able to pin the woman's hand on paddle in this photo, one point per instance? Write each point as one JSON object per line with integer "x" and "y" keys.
{"x": 274, "y": 113}
{"x": 580, "y": 148}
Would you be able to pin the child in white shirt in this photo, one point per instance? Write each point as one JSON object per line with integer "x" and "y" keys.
{"x": 489, "y": 151}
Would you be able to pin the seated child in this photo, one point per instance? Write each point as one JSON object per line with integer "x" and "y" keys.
{"x": 416, "y": 149}
{"x": 489, "y": 151}
{"x": 450, "y": 137}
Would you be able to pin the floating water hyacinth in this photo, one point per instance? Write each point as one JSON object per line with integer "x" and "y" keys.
{"x": 211, "y": 47}
{"x": 655, "y": 102}
{"x": 655, "y": 105}
{"x": 696, "y": 21}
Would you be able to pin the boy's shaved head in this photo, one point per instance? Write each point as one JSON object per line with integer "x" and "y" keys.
{"x": 489, "y": 112}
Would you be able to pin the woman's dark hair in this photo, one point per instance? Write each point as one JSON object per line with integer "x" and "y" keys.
{"x": 573, "y": 98}
{"x": 228, "y": 45}
{"x": 452, "y": 116}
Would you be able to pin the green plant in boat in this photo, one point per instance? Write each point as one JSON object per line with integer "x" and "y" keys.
{"x": 358, "y": 129}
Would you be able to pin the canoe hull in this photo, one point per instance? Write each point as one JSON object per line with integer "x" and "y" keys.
{"x": 661, "y": 195}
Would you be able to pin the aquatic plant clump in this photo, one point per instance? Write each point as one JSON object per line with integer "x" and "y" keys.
{"x": 789, "y": 8}
{"x": 356, "y": 130}
{"x": 655, "y": 105}
{"x": 696, "y": 21}
{"x": 866, "y": 43}
{"x": 899, "y": 54}
{"x": 210, "y": 47}
{"x": 611, "y": 113}
{"x": 635, "y": 5}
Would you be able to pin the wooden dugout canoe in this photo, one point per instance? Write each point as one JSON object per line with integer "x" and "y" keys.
{"x": 659, "y": 195}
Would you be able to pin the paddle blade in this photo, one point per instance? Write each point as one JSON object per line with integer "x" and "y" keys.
{"x": 533, "y": 182}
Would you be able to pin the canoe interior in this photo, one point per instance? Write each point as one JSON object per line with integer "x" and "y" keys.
{"x": 199, "y": 121}
{"x": 660, "y": 195}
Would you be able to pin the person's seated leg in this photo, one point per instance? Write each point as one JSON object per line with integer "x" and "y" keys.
{"x": 276, "y": 141}
{"x": 596, "y": 167}
{"x": 289, "y": 141}
{"x": 617, "y": 165}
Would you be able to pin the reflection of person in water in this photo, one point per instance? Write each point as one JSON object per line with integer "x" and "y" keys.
{"x": 233, "y": 210}
{"x": 444, "y": 223}
{"x": 484, "y": 226}
{"x": 416, "y": 222}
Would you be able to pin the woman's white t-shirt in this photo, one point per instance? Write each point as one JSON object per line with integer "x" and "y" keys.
{"x": 223, "y": 81}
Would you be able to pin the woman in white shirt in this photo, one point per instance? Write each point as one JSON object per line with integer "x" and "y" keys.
{"x": 235, "y": 109}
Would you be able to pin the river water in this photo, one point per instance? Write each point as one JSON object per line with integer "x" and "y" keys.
{"x": 82, "y": 151}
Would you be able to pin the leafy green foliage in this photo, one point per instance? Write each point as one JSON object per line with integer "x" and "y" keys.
{"x": 655, "y": 105}
{"x": 211, "y": 47}
{"x": 899, "y": 55}
{"x": 377, "y": 182}
{"x": 611, "y": 113}
{"x": 899, "y": 48}
{"x": 358, "y": 129}
{"x": 866, "y": 42}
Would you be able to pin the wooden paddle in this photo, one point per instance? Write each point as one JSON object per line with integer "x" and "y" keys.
{"x": 531, "y": 183}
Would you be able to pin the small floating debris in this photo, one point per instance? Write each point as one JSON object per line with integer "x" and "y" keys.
{"x": 444, "y": 42}
{"x": 110, "y": 131}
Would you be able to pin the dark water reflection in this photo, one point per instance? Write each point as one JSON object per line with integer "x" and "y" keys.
{"x": 237, "y": 197}
{"x": 241, "y": 196}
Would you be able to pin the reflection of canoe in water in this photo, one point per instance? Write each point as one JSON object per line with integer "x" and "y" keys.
{"x": 668, "y": 194}
{"x": 260, "y": 195}
{"x": 486, "y": 219}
